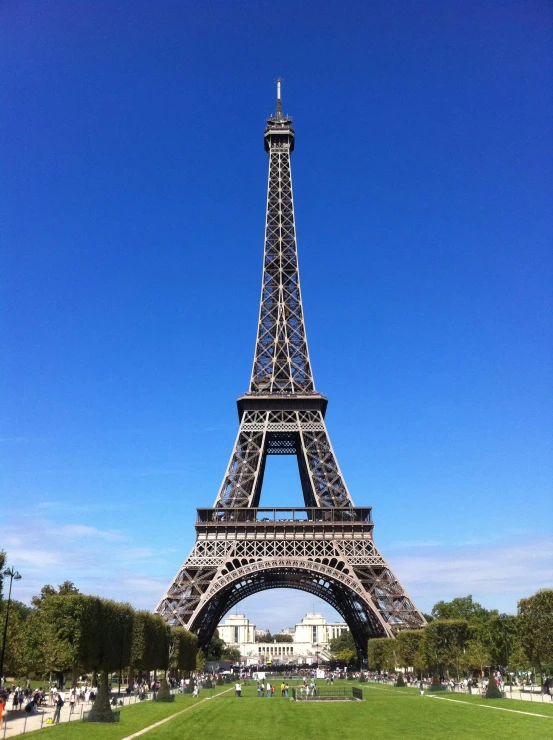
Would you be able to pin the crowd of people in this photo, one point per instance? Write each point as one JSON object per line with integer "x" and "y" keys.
{"x": 17, "y": 698}
{"x": 26, "y": 699}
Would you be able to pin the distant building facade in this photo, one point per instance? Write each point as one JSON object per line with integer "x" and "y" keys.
{"x": 310, "y": 640}
{"x": 237, "y": 630}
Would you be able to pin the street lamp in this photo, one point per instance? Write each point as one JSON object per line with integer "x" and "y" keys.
{"x": 13, "y": 575}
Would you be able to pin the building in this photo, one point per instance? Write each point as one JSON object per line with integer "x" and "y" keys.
{"x": 310, "y": 640}
{"x": 237, "y": 630}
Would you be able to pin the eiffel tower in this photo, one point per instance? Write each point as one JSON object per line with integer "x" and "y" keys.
{"x": 325, "y": 547}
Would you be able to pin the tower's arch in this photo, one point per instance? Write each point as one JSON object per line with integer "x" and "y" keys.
{"x": 326, "y": 582}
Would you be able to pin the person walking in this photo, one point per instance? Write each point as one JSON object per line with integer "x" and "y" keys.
{"x": 2, "y": 710}
{"x": 59, "y": 704}
{"x": 268, "y": 689}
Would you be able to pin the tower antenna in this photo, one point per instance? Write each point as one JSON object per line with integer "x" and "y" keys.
{"x": 278, "y": 101}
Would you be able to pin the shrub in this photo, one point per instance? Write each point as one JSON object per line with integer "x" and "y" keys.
{"x": 208, "y": 684}
{"x": 220, "y": 681}
{"x": 492, "y": 691}
{"x": 400, "y": 682}
{"x": 436, "y": 684}
{"x": 164, "y": 693}
{"x": 101, "y": 717}
{"x": 362, "y": 678}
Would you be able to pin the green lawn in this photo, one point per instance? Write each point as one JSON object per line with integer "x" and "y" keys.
{"x": 385, "y": 714}
{"x": 133, "y": 718}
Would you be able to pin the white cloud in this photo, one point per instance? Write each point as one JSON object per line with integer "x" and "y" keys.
{"x": 111, "y": 563}
{"x": 79, "y": 531}
{"x": 496, "y": 574}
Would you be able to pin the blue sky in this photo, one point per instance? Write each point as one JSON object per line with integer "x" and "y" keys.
{"x": 132, "y": 210}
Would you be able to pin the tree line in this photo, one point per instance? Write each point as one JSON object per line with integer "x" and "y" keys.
{"x": 66, "y": 632}
{"x": 462, "y": 636}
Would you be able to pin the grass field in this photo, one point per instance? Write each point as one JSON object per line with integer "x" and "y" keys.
{"x": 385, "y": 713}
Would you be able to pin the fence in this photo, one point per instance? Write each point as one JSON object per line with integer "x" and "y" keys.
{"x": 327, "y": 693}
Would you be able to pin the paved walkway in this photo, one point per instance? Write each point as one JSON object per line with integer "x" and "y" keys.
{"x": 19, "y": 722}
{"x": 535, "y": 696}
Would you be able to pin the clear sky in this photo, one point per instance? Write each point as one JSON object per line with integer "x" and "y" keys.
{"x": 132, "y": 201}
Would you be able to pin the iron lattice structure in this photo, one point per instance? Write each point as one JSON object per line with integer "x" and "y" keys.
{"x": 326, "y": 548}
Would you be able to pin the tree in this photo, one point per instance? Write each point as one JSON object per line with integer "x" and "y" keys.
{"x": 477, "y": 655}
{"x": 200, "y": 661}
{"x": 283, "y": 638}
{"x": 67, "y": 588}
{"x": 62, "y": 623}
{"x": 107, "y": 646}
{"x": 45, "y": 592}
{"x": 347, "y": 655}
{"x": 344, "y": 641}
{"x": 382, "y": 654}
{"x": 535, "y": 627}
{"x": 14, "y": 656}
{"x": 215, "y": 648}
{"x": 497, "y": 633}
{"x": 34, "y": 648}
{"x": 445, "y": 643}
{"x": 410, "y": 649}
{"x": 460, "y": 608}
{"x": 182, "y": 652}
{"x": 230, "y": 653}
{"x": 150, "y": 643}
{"x": 518, "y": 661}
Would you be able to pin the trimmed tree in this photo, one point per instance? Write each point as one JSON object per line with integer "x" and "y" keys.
{"x": 400, "y": 682}
{"x": 64, "y": 627}
{"x": 410, "y": 645}
{"x": 109, "y": 647}
{"x": 182, "y": 651}
{"x": 381, "y": 653}
{"x": 150, "y": 642}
